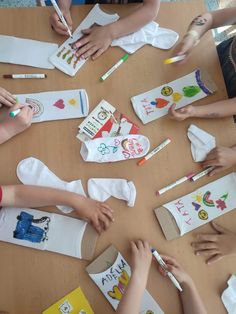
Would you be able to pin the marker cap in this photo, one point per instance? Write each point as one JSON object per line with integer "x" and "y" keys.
{"x": 141, "y": 162}
{"x": 125, "y": 57}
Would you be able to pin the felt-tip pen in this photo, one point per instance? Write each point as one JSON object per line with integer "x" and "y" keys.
{"x": 61, "y": 17}
{"x": 115, "y": 66}
{"x": 24, "y": 76}
{"x": 174, "y": 59}
{"x": 164, "y": 266}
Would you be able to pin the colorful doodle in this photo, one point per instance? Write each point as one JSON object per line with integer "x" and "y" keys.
{"x": 119, "y": 289}
{"x": 59, "y": 104}
{"x": 104, "y": 149}
{"x": 221, "y": 204}
{"x": 60, "y": 52}
{"x": 196, "y": 206}
{"x": 207, "y": 201}
{"x": 166, "y": 91}
{"x": 176, "y": 97}
{"x": 66, "y": 54}
{"x": 202, "y": 214}
{"x": 36, "y": 105}
{"x": 159, "y": 102}
{"x": 72, "y": 102}
{"x": 191, "y": 91}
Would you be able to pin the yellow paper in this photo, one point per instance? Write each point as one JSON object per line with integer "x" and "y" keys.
{"x": 73, "y": 303}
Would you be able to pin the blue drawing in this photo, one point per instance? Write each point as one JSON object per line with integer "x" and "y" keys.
{"x": 25, "y": 230}
{"x": 104, "y": 149}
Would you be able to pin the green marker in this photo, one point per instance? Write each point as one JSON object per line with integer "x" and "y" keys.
{"x": 14, "y": 113}
{"x": 115, "y": 66}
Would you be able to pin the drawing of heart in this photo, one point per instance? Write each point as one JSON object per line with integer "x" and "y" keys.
{"x": 126, "y": 154}
{"x": 116, "y": 142}
{"x": 115, "y": 293}
{"x": 160, "y": 102}
{"x": 59, "y": 104}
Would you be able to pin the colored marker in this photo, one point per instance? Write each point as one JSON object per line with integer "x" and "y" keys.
{"x": 173, "y": 185}
{"x": 202, "y": 174}
{"x": 14, "y": 113}
{"x": 154, "y": 151}
{"x": 174, "y": 59}
{"x": 81, "y": 102}
{"x": 164, "y": 266}
{"x": 61, "y": 17}
{"x": 24, "y": 76}
{"x": 115, "y": 66}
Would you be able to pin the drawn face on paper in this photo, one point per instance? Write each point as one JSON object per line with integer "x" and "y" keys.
{"x": 132, "y": 146}
{"x": 202, "y": 214}
{"x": 102, "y": 115}
{"x": 65, "y": 308}
{"x": 166, "y": 90}
{"x": 36, "y": 105}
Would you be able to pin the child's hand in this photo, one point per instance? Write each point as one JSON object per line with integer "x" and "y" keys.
{"x": 6, "y": 98}
{"x": 182, "y": 113}
{"x": 95, "y": 41}
{"x": 184, "y": 48}
{"x": 99, "y": 214}
{"x": 176, "y": 269}
{"x": 141, "y": 260}
{"x": 221, "y": 158}
{"x": 58, "y": 26}
{"x": 215, "y": 246}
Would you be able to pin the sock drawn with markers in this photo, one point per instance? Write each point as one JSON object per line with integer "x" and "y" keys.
{"x": 26, "y": 229}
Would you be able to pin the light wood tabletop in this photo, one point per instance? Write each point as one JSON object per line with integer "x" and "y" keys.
{"x": 32, "y": 280}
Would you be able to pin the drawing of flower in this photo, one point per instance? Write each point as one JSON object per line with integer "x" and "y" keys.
{"x": 221, "y": 204}
{"x": 103, "y": 149}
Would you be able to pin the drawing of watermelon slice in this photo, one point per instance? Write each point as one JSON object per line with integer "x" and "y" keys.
{"x": 207, "y": 201}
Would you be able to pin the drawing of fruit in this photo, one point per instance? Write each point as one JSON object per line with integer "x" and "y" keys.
{"x": 190, "y": 91}
{"x": 176, "y": 97}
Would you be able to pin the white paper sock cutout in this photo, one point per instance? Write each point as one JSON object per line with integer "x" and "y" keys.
{"x": 150, "y": 34}
{"x": 228, "y": 296}
{"x": 117, "y": 148}
{"x": 33, "y": 171}
{"x": 64, "y": 58}
{"x": 201, "y": 142}
{"x": 102, "y": 189}
{"x": 205, "y": 204}
{"x": 44, "y": 231}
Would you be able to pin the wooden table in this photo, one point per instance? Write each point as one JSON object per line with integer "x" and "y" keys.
{"x": 32, "y": 280}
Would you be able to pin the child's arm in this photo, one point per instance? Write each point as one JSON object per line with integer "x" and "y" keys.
{"x": 141, "y": 261}
{"x": 97, "y": 39}
{"x": 100, "y": 215}
{"x": 215, "y": 246}
{"x": 9, "y": 127}
{"x": 190, "y": 298}
{"x": 6, "y": 98}
{"x": 56, "y": 23}
{"x": 200, "y": 25}
{"x": 219, "y": 109}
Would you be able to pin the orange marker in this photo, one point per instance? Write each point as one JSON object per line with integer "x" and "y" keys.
{"x": 154, "y": 151}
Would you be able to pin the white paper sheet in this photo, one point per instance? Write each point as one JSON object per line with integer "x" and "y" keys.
{"x": 26, "y": 52}
{"x": 229, "y": 296}
{"x": 205, "y": 204}
{"x": 64, "y": 58}
{"x": 58, "y": 105}
{"x": 42, "y": 230}
{"x": 113, "y": 282}
{"x": 155, "y": 103}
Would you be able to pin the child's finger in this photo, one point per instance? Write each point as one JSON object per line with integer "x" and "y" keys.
{"x": 106, "y": 222}
{"x": 214, "y": 259}
{"x": 98, "y": 53}
{"x": 108, "y": 213}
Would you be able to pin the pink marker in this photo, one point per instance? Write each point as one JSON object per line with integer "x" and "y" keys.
{"x": 172, "y": 185}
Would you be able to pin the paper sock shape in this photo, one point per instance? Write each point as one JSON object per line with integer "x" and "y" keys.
{"x": 64, "y": 58}
{"x": 59, "y": 105}
{"x": 46, "y": 231}
{"x": 228, "y": 296}
{"x": 111, "y": 273}
{"x": 150, "y": 34}
{"x": 102, "y": 189}
{"x": 198, "y": 208}
{"x": 26, "y": 52}
{"x": 118, "y": 148}
{"x": 33, "y": 172}
{"x": 201, "y": 142}
{"x": 155, "y": 103}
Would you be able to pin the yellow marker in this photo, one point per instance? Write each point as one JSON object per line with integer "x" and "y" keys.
{"x": 174, "y": 59}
